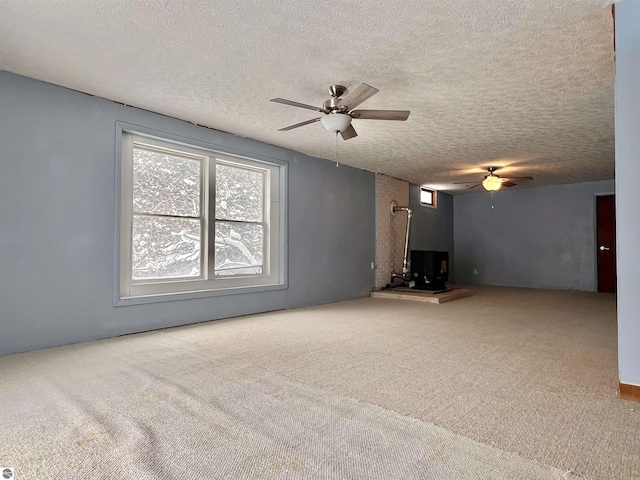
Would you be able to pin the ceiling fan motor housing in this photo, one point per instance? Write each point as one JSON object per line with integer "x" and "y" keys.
{"x": 331, "y": 104}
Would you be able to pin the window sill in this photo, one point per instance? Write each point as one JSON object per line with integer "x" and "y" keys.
{"x": 172, "y": 297}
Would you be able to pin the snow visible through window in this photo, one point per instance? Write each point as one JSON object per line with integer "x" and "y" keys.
{"x": 166, "y": 230}
{"x": 239, "y": 228}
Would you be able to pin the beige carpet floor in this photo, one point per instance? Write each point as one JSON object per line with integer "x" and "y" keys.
{"x": 138, "y": 409}
{"x": 509, "y": 383}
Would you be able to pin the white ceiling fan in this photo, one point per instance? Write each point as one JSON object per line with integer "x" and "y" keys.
{"x": 493, "y": 182}
{"x": 338, "y": 112}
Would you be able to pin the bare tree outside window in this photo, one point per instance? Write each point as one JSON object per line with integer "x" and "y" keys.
{"x": 239, "y": 211}
{"x": 167, "y": 221}
{"x": 194, "y": 222}
{"x": 166, "y": 233}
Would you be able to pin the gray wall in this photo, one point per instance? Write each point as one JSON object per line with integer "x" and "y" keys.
{"x": 432, "y": 228}
{"x": 627, "y": 111}
{"x": 534, "y": 237}
{"x": 57, "y": 223}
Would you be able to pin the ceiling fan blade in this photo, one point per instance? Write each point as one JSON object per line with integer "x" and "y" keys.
{"x": 296, "y": 104}
{"x": 474, "y": 186}
{"x": 465, "y": 183}
{"x": 517, "y": 178}
{"x": 381, "y": 114}
{"x": 508, "y": 184}
{"x": 301, "y": 124}
{"x": 349, "y": 133}
{"x": 356, "y": 96}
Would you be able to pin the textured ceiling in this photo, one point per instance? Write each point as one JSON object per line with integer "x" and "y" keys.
{"x": 527, "y": 85}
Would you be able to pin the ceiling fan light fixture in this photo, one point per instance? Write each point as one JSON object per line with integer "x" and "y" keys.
{"x": 336, "y": 122}
{"x": 492, "y": 183}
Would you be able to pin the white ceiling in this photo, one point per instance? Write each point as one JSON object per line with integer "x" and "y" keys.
{"x": 524, "y": 84}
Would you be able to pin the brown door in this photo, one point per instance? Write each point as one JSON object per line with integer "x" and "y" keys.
{"x": 606, "y": 215}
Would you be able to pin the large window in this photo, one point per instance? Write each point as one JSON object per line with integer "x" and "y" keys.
{"x": 193, "y": 220}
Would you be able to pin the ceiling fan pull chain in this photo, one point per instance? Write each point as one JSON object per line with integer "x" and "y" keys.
{"x": 492, "y": 205}
{"x": 337, "y": 163}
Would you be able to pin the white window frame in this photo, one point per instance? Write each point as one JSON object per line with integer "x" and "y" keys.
{"x": 273, "y": 276}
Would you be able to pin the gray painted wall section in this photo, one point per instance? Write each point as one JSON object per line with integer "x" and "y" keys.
{"x": 534, "y": 237}
{"x": 627, "y": 115}
{"x": 57, "y": 223}
{"x": 432, "y": 228}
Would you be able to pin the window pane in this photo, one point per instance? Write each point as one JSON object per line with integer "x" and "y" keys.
{"x": 426, "y": 196}
{"x": 165, "y": 247}
{"x": 239, "y": 248}
{"x": 165, "y": 184}
{"x": 239, "y": 194}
